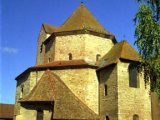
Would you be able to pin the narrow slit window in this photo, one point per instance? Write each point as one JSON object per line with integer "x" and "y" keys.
{"x": 22, "y": 90}
{"x": 107, "y": 117}
{"x": 49, "y": 59}
{"x": 105, "y": 90}
{"x": 41, "y": 48}
{"x": 98, "y": 56}
{"x": 39, "y": 114}
{"x": 70, "y": 56}
{"x": 133, "y": 77}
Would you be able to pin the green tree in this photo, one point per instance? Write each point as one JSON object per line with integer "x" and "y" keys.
{"x": 154, "y": 6}
{"x": 147, "y": 35}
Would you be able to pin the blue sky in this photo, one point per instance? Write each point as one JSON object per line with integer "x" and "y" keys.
{"x": 20, "y": 27}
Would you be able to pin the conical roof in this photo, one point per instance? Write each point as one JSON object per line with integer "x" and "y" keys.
{"x": 122, "y": 50}
{"x": 82, "y": 19}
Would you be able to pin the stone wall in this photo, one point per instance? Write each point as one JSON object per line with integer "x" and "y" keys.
{"x": 49, "y": 50}
{"x": 22, "y": 83}
{"x": 95, "y": 45}
{"x": 28, "y": 81}
{"x": 73, "y": 44}
{"x": 31, "y": 114}
{"x": 29, "y": 111}
{"x": 83, "y": 46}
{"x": 83, "y": 83}
{"x": 34, "y": 78}
{"x": 41, "y": 48}
{"x": 131, "y": 100}
{"x": 109, "y": 102}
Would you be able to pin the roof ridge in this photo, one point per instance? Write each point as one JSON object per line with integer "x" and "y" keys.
{"x": 60, "y": 61}
{"x": 82, "y": 15}
{"x": 121, "y": 48}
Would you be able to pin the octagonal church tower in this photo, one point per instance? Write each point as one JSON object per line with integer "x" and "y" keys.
{"x": 79, "y": 75}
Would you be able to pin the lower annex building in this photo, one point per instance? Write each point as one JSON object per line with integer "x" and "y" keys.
{"x": 82, "y": 73}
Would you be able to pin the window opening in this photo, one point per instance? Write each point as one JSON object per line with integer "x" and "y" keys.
{"x": 41, "y": 48}
{"x": 39, "y": 114}
{"x": 98, "y": 57}
{"x": 49, "y": 59}
{"x": 135, "y": 117}
{"x": 22, "y": 90}
{"x": 107, "y": 118}
{"x": 70, "y": 56}
{"x": 133, "y": 77}
{"x": 105, "y": 90}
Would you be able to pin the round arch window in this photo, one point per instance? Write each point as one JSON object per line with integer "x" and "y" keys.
{"x": 135, "y": 117}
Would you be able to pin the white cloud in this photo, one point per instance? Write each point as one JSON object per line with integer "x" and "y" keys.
{"x": 9, "y": 50}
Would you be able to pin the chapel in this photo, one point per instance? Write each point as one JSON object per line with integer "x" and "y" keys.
{"x": 82, "y": 73}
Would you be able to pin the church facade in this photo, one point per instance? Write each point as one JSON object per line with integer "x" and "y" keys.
{"x": 82, "y": 73}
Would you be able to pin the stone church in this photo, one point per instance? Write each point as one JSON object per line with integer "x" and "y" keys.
{"x": 82, "y": 73}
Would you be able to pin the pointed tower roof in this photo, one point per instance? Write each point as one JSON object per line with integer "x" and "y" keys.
{"x": 122, "y": 50}
{"x": 80, "y": 22}
{"x": 82, "y": 19}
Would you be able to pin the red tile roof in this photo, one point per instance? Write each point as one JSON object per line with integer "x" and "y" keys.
{"x": 65, "y": 63}
{"x": 6, "y": 110}
{"x": 61, "y": 65}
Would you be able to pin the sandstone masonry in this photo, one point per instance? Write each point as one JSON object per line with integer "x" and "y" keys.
{"x": 82, "y": 73}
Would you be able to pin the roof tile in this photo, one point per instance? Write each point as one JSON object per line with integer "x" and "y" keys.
{"x": 122, "y": 50}
{"x": 82, "y": 19}
{"x": 65, "y": 63}
{"x": 6, "y": 110}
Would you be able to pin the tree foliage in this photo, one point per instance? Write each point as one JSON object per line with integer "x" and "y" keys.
{"x": 154, "y": 5}
{"x": 147, "y": 35}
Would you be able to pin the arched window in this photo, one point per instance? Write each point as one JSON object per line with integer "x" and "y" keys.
{"x": 133, "y": 77}
{"x": 135, "y": 117}
{"x": 70, "y": 56}
{"x": 107, "y": 117}
{"x": 39, "y": 114}
{"x": 105, "y": 90}
{"x": 98, "y": 57}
